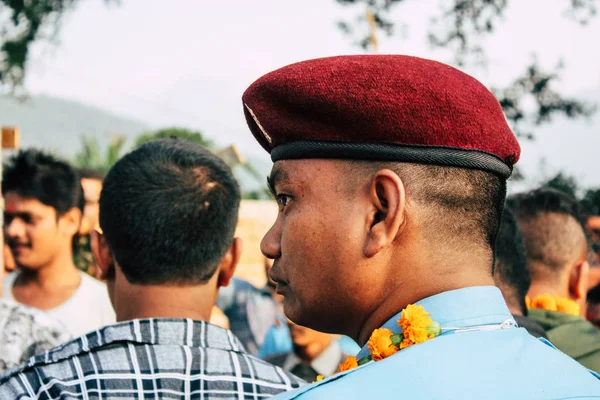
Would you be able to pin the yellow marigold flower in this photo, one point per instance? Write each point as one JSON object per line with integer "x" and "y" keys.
{"x": 544, "y": 302}
{"x": 320, "y": 378}
{"x": 415, "y": 322}
{"x": 349, "y": 363}
{"x": 528, "y": 302}
{"x": 380, "y": 344}
{"x": 567, "y": 306}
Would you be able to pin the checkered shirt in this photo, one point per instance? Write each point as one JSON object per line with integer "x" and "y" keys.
{"x": 148, "y": 359}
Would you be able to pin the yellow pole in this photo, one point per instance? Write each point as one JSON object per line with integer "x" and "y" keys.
{"x": 10, "y": 140}
{"x": 372, "y": 30}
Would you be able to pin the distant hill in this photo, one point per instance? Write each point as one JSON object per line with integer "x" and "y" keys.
{"x": 56, "y": 124}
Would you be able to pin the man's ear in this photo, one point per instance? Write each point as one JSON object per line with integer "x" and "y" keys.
{"x": 70, "y": 221}
{"x": 103, "y": 256}
{"x": 578, "y": 280}
{"x": 388, "y": 199}
{"x": 229, "y": 262}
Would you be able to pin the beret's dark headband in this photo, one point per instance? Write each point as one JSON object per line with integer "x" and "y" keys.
{"x": 448, "y": 156}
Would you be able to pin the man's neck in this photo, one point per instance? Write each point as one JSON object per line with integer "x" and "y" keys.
{"x": 515, "y": 309}
{"x": 413, "y": 293}
{"x": 162, "y": 301}
{"x": 60, "y": 272}
{"x": 538, "y": 288}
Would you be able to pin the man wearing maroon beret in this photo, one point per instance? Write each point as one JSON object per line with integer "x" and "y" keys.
{"x": 390, "y": 174}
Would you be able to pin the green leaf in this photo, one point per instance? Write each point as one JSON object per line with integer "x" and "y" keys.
{"x": 397, "y": 339}
{"x": 364, "y": 360}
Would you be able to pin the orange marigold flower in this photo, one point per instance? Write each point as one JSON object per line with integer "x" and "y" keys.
{"x": 349, "y": 363}
{"x": 567, "y": 306}
{"x": 380, "y": 344}
{"x": 544, "y": 302}
{"x": 414, "y": 323}
{"x": 528, "y": 302}
{"x": 405, "y": 343}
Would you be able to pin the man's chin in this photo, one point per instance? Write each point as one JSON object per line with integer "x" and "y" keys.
{"x": 25, "y": 264}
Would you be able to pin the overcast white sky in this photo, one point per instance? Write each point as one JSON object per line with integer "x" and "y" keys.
{"x": 188, "y": 62}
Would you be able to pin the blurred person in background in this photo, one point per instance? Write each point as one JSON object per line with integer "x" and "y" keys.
{"x": 593, "y": 229}
{"x": 593, "y": 306}
{"x": 314, "y": 353}
{"x": 25, "y": 331}
{"x": 168, "y": 213}
{"x": 41, "y": 221}
{"x": 511, "y": 272}
{"x": 252, "y": 312}
{"x": 91, "y": 183}
{"x": 9, "y": 260}
{"x": 557, "y": 254}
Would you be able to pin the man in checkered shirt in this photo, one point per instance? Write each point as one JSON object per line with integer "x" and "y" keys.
{"x": 168, "y": 213}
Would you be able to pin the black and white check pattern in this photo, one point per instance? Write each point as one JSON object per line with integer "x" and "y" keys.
{"x": 148, "y": 359}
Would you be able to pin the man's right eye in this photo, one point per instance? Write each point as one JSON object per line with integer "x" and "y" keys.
{"x": 283, "y": 199}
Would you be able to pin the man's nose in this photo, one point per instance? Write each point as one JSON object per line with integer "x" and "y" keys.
{"x": 270, "y": 245}
{"x": 14, "y": 228}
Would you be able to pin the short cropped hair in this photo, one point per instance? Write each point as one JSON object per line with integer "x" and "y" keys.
{"x": 511, "y": 270}
{"x": 168, "y": 211}
{"x": 90, "y": 173}
{"x": 37, "y": 175}
{"x": 553, "y": 229}
{"x": 462, "y": 207}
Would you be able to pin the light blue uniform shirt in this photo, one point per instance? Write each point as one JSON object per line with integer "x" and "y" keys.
{"x": 496, "y": 364}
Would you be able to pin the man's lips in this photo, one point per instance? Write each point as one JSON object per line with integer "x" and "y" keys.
{"x": 17, "y": 247}
{"x": 281, "y": 288}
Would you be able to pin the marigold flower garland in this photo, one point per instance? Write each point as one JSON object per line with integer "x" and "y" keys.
{"x": 554, "y": 303}
{"x": 417, "y": 327}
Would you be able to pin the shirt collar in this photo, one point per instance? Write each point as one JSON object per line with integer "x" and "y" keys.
{"x": 153, "y": 331}
{"x": 327, "y": 362}
{"x": 476, "y": 305}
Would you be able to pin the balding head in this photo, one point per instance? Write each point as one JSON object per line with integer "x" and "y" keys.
{"x": 552, "y": 228}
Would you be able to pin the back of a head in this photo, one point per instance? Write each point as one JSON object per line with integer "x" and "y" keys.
{"x": 552, "y": 228}
{"x": 168, "y": 211}
{"x": 511, "y": 272}
{"x": 37, "y": 175}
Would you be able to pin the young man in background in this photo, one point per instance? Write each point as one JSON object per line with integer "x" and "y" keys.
{"x": 44, "y": 205}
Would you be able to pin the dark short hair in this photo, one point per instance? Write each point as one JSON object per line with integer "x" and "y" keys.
{"x": 593, "y": 295}
{"x": 169, "y": 211}
{"x": 35, "y": 174}
{"x": 552, "y": 225}
{"x": 546, "y": 200}
{"x": 464, "y": 205}
{"x": 91, "y": 173}
{"x": 511, "y": 269}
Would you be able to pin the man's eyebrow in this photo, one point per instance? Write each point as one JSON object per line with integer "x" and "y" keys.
{"x": 278, "y": 175}
{"x": 271, "y": 186}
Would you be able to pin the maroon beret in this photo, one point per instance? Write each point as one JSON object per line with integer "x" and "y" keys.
{"x": 380, "y": 107}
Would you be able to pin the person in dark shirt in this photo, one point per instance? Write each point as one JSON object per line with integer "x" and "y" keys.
{"x": 593, "y": 306}
{"x": 511, "y": 272}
